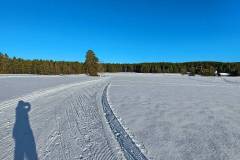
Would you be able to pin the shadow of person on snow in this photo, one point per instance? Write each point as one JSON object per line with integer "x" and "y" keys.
{"x": 25, "y": 147}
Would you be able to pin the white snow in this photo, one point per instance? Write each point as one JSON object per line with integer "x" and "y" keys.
{"x": 180, "y": 117}
{"x": 167, "y": 116}
{"x": 65, "y": 122}
{"x": 17, "y": 85}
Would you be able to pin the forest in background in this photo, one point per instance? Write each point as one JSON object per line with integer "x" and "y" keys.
{"x": 15, "y": 65}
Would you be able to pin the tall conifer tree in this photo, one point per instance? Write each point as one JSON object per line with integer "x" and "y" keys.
{"x": 91, "y": 64}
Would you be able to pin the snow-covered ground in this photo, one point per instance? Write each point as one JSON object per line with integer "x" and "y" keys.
{"x": 154, "y": 116}
{"x": 17, "y": 85}
{"x": 180, "y": 117}
{"x": 64, "y": 121}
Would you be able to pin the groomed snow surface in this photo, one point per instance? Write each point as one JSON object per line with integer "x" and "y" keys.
{"x": 118, "y": 116}
{"x": 64, "y": 121}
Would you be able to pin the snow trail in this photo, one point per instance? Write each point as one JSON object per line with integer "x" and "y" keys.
{"x": 66, "y": 123}
{"x": 130, "y": 149}
{"x": 43, "y": 92}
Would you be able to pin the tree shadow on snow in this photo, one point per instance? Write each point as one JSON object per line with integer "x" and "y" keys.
{"x": 25, "y": 147}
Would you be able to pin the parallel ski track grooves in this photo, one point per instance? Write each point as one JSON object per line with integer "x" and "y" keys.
{"x": 82, "y": 119}
{"x": 75, "y": 118}
{"x": 130, "y": 150}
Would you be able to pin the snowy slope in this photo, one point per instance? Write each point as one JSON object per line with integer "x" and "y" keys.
{"x": 180, "y": 117}
{"x": 65, "y": 122}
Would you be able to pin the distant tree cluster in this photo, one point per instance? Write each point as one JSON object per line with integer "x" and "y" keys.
{"x": 91, "y": 66}
{"x": 200, "y": 68}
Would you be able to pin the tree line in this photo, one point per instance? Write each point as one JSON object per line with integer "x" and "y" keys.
{"x": 91, "y": 66}
{"x": 20, "y": 66}
{"x": 200, "y": 68}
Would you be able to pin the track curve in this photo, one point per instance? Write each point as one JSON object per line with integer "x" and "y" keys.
{"x": 128, "y": 146}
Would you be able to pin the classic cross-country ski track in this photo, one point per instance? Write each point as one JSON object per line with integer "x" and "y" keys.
{"x": 66, "y": 121}
{"x": 131, "y": 151}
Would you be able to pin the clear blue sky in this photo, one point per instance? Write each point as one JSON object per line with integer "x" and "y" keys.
{"x": 121, "y": 30}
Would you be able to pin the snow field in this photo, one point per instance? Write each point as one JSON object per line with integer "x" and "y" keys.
{"x": 180, "y": 117}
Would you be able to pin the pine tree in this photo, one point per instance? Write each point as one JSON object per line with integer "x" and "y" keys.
{"x": 91, "y": 64}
